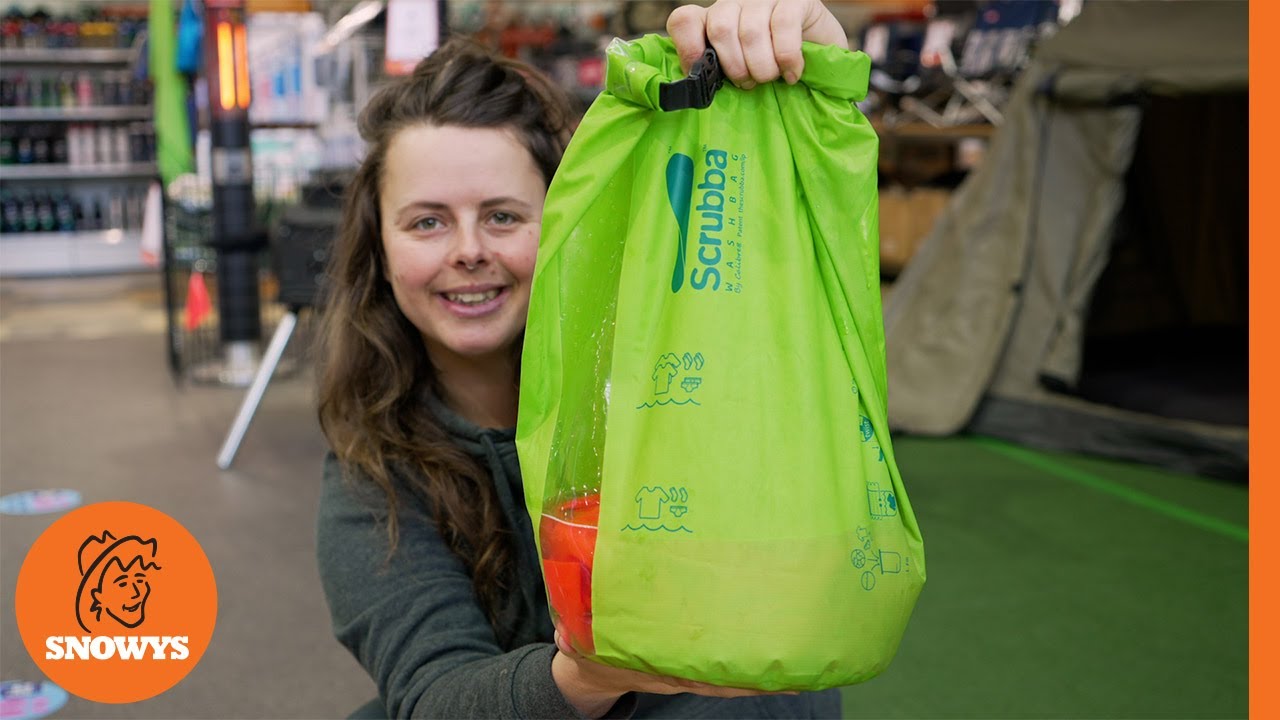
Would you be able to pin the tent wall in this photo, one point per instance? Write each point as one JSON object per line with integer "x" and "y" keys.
{"x": 1075, "y": 197}
{"x": 994, "y": 306}
{"x": 996, "y": 294}
{"x": 949, "y": 314}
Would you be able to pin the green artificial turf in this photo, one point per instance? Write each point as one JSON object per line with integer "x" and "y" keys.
{"x": 1067, "y": 587}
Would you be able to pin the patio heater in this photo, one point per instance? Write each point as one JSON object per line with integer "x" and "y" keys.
{"x": 236, "y": 238}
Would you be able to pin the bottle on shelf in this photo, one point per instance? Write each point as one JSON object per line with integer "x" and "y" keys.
{"x": 25, "y": 154}
{"x": 39, "y": 134}
{"x": 10, "y": 212}
{"x": 8, "y": 144}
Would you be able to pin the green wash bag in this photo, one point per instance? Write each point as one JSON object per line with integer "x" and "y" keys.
{"x": 702, "y": 429}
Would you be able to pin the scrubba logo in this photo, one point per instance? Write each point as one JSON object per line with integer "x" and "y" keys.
{"x": 116, "y": 602}
{"x": 710, "y": 209}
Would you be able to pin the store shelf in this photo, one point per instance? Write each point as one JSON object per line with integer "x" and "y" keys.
{"x": 66, "y": 56}
{"x": 283, "y": 125}
{"x": 925, "y": 132}
{"x": 75, "y": 114}
{"x": 106, "y": 237}
{"x": 75, "y": 253}
{"x": 77, "y": 172}
{"x": 69, "y": 253}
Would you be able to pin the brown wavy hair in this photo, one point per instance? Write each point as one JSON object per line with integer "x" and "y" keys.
{"x": 373, "y": 368}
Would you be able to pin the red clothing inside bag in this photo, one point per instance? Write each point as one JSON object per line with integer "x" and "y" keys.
{"x": 568, "y": 536}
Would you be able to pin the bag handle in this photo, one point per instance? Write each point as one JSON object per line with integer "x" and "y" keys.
{"x": 696, "y": 91}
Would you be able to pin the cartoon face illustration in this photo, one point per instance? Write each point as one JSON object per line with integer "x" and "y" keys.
{"x": 122, "y": 592}
{"x": 116, "y": 581}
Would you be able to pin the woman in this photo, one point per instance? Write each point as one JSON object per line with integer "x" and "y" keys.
{"x": 426, "y": 553}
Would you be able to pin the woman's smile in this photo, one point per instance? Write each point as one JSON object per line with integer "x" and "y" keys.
{"x": 476, "y": 301}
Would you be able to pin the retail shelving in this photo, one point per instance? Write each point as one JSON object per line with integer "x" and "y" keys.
{"x": 106, "y": 113}
{"x": 97, "y": 186}
{"x": 66, "y": 56}
{"x": 69, "y": 253}
{"x": 73, "y": 172}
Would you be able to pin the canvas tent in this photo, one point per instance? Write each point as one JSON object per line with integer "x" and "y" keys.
{"x": 1086, "y": 288}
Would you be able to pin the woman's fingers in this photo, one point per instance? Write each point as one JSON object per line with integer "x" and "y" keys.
{"x": 563, "y": 645}
{"x": 602, "y": 676}
{"x": 755, "y": 35}
{"x": 687, "y": 26}
{"x": 757, "y": 41}
{"x": 723, "y": 33}
{"x": 786, "y": 24}
{"x": 701, "y": 688}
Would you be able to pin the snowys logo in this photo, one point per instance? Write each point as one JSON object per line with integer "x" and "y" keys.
{"x": 117, "y": 575}
{"x": 116, "y": 602}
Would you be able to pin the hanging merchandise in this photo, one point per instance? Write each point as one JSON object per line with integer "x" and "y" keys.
{"x": 702, "y": 426}
{"x": 190, "y": 38}
{"x": 174, "y": 155}
{"x": 198, "y": 303}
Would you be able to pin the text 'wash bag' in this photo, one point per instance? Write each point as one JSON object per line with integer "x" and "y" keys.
{"x": 702, "y": 425}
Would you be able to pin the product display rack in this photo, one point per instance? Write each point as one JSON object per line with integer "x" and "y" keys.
{"x": 195, "y": 346}
{"x": 71, "y": 172}
{"x": 111, "y": 189}
{"x": 66, "y": 56}
{"x": 75, "y": 114}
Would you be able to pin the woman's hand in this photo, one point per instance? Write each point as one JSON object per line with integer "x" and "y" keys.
{"x": 757, "y": 41}
{"x": 593, "y": 687}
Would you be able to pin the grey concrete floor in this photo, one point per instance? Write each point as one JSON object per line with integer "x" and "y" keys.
{"x": 86, "y": 402}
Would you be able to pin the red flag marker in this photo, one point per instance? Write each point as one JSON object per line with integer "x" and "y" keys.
{"x": 198, "y": 304}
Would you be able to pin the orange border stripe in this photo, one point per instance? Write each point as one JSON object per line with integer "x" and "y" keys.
{"x": 1264, "y": 301}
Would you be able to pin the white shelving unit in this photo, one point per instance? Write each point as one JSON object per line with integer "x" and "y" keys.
{"x": 69, "y": 253}
{"x": 67, "y": 56}
{"x": 72, "y": 172}
{"x": 28, "y": 254}
{"x": 75, "y": 114}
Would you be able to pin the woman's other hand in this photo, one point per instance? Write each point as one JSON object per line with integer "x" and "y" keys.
{"x": 593, "y": 687}
{"x": 758, "y": 41}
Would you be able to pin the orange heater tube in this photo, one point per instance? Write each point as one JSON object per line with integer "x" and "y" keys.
{"x": 226, "y": 73}
{"x": 242, "y": 68}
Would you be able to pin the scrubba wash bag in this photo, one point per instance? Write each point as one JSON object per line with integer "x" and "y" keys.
{"x": 702, "y": 423}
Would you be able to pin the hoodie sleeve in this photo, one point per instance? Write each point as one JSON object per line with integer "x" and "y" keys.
{"x": 413, "y": 621}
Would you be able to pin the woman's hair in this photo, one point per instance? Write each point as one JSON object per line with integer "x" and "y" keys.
{"x": 373, "y": 366}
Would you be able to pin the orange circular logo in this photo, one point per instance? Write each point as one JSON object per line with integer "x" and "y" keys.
{"x": 116, "y": 602}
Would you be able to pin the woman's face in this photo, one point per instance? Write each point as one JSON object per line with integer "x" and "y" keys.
{"x": 461, "y": 212}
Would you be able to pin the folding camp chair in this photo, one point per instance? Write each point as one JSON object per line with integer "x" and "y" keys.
{"x": 997, "y": 42}
{"x": 892, "y": 42}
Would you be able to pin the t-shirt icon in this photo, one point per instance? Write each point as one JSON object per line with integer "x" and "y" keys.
{"x": 651, "y": 500}
{"x": 664, "y": 373}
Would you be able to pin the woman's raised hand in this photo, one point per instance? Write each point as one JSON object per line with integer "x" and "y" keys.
{"x": 593, "y": 687}
{"x": 757, "y": 41}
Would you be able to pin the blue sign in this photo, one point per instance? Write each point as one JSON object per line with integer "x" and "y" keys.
{"x": 39, "y": 502}
{"x": 21, "y": 700}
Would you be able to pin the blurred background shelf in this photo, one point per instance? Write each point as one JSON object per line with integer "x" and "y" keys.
{"x": 75, "y": 114}
{"x": 924, "y": 131}
{"x": 47, "y": 254}
{"x": 73, "y": 172}
{"x": 65, "y": 56}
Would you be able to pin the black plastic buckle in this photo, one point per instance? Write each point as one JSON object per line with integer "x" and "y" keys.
{"x": 696, "y": 91}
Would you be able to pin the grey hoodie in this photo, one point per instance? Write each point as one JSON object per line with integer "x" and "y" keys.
{"x": 414, "y": 623}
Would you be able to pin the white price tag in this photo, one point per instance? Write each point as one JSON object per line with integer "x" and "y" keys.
{"x": 413, "y": 32}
